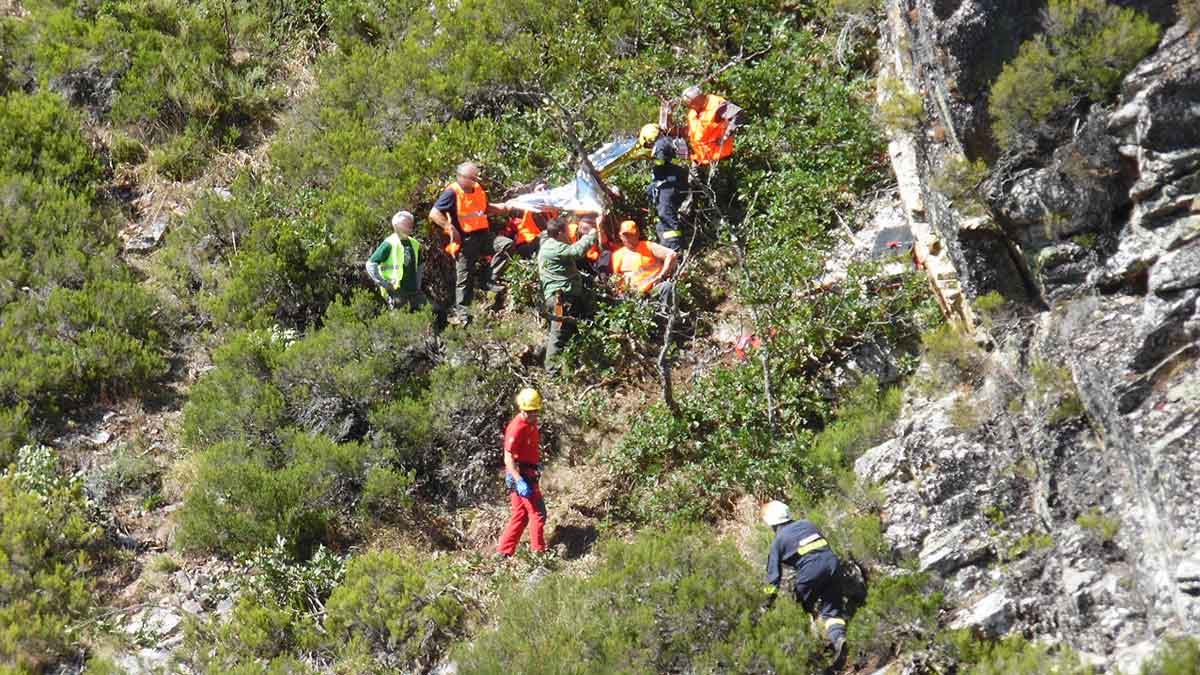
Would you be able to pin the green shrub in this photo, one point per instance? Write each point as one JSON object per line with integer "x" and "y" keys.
{"x": 396, "y": 606}
{"x": 851, "y": 8}
{"x": 41, "y": 138}
{"x": 670, "y": 601}
{"x": 1015, "y": 655}
{"x": 244, "y": 496}
{"x": 621, "y": 333}
{"x": 127, "y": 473}
{"x": 53, "y": 237}
{"x": 964, "y": 414}
{"x": 900, "y": 108}
{"x": 863, "y": 419}
{"x": 1087, "y": 47}
{"x": 849, "y": 519}
{"x": 900, "y": 614}
{"x": 1180, "y": 656}
{"x": 1055, "y": 386}
{"x": 74, "y": 344}
{"x": 299, "y": 587}
{"x": 1029, "y": 543}
{"x": 235, "y": 401}
{"x": 1103, "y": 528}
{"x": 46, "y": 537}
{"x": 259, "y": 637}
{"x": 14, "y": 432}
{"x": 387, "y": 493}
{"x": 960, "y": 180}
{"x": 953, "y": 356}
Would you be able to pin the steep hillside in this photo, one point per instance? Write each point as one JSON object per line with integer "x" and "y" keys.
{"x": 958, "y": 333}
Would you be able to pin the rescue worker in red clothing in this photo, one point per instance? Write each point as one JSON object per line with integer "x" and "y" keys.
{"x": 522, "y": 469}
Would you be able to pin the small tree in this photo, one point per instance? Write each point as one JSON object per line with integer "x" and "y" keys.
{"x": 1087, "y": 47}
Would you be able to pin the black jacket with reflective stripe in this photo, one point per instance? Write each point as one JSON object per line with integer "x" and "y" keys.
{"x": 788, "y": 539}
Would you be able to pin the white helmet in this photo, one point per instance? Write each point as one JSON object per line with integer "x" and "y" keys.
{"x": 775, "y": 513}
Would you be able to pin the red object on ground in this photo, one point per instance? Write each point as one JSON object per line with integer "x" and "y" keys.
{"x": 744, "y": 344}
{"x": 524, "y": 510}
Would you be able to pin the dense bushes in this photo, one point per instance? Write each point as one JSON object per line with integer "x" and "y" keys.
{"x": 244, "y": 496}
{"x": 1177, "y": 657}
{"x": 185, "y": 77}
{"x": 388, "y": 612}
{"x": 46, "y": 537}
{"x": 671, "y": 601}
{"x": 394, "y": 608}
{"x": 721, "y": 445}
{"x": 1087, "y": 47}
{"x": 74, "y": 323}
{"x": 305, "y": 437}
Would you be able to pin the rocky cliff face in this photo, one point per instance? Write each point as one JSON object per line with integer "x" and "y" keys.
{"x": 1076, "y": 528}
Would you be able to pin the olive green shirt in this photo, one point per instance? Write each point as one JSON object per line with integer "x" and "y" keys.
{"x": 558, "y": 268}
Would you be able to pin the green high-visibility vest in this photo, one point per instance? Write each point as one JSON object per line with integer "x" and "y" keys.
{"x": 392, "y": 269}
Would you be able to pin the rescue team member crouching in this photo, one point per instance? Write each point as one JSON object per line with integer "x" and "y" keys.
{"x": 562, "y": 287}
{"x": 801, "y": 546}
{"x": 462, "y": 211}
{"x": 644, "y": 266}
{"x": 522, "y": 469}
{"x": 397, "y": 267}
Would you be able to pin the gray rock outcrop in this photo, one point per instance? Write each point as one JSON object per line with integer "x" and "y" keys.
{"x": 1068, "y": 512}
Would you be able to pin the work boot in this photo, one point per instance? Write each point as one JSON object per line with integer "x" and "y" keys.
{"x": 839, "y": 653}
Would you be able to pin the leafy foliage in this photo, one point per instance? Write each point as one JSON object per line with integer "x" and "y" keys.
{"x": 1177, "y": 657}
{"x": 1087, "y": 47}
{"x": 669, "y": 601}
{"x": 395, "y": 607}
{"x": 901, "y": 612}
{"x": 74, "y": 324}
{"x": 1014, "y": 654}
{"x": 46, "y": 542}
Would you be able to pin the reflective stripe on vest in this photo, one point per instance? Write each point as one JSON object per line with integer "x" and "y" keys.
{"x": 814, "y": 543}
{"x": 705, "y": 130}
{"x": 471, "y": 208}
{"x": 392, "y": 269}
{"x": 527, "y": 229}
{"x": 644, "y": 265}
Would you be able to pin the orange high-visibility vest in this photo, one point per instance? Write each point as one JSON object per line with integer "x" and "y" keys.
{"x": 637, "y": 266}
{"x": 705, "y": 130}
{"x": 527, "y": 229}
{"x": 471, "y": 208}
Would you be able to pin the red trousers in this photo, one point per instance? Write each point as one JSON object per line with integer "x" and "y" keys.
{"x": 525, "y": 509}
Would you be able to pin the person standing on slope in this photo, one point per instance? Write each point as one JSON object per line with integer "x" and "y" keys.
{"x": 562, "y": 286}
{"x": 397, "y": 267}
{"x": 800, "y": 545}
{"x": 710, "y": 126}
{"x": 522, "y": 469}
{"x": 462, "y": 211}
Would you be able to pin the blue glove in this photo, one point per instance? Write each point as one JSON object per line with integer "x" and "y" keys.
{"x": 523, "y": 488}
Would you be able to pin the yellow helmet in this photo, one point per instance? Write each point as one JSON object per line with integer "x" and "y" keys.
{"x": 648, "y": 134}
{"x": 529, "y": 399}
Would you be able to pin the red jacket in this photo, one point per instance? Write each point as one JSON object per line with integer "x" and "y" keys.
{"x": 521, "y": 440}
